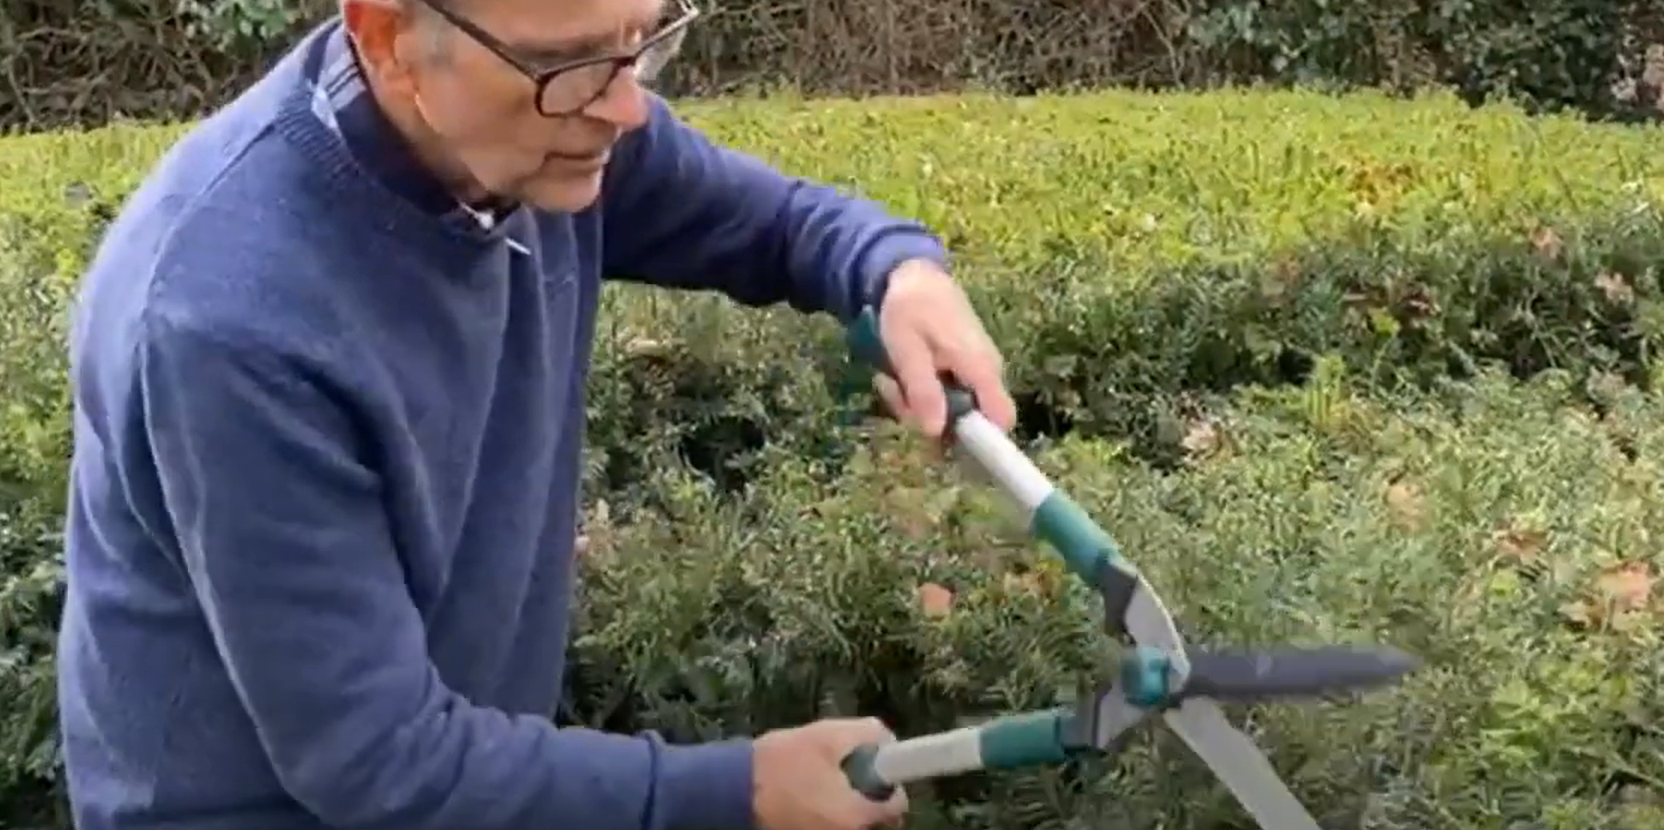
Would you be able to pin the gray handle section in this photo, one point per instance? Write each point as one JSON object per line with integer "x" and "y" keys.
{"x": 1052, "y": 517}
{"x": 1011, "y": 742}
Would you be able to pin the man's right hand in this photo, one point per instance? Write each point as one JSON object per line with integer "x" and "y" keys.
{"x": 798, "y": 783}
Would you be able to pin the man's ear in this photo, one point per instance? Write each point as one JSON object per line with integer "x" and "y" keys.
{"x": 379, "y": 32}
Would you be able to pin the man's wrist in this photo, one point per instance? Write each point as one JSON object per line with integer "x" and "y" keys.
{"x": 707, "y": 786}
{"x": 889, "y": 256}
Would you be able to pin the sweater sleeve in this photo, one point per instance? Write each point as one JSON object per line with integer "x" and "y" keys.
{"x": 680, "y": 211}
{"x": 281, "y": 525}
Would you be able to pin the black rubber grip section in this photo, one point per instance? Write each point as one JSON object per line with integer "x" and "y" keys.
{"x": 1293, "y": 672}
{"x": 861, "y": 768}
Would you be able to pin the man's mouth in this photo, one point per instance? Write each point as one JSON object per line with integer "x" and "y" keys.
{"x": 595, "y": 159}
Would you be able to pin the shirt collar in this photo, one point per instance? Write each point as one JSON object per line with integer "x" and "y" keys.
{"x": 342, "y": 100}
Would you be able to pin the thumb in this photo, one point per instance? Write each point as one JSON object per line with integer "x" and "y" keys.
{"x": 844, "y": 735}
{"x": 873, "y": 731}
{"x": 869, "y": 731}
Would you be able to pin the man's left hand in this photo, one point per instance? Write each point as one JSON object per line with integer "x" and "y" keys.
{"x": 929, "y": 328}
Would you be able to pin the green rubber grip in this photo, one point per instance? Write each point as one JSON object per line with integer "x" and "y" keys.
{"x": 1026, "y": 740}
{"x": 862, "y": 772}
{"x": 866, "y": 346}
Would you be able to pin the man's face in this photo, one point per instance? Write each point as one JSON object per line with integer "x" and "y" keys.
{"x": 464, "y": 70}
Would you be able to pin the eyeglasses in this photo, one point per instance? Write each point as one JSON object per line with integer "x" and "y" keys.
{"x": 569, "y": 87}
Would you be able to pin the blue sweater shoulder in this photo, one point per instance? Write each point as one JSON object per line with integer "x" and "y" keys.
{"x": 230, "y": 530}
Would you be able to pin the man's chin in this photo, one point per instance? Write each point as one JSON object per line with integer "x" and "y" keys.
{"x": 565, "y": 194}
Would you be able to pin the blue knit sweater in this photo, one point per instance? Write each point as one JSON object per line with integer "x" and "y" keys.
{"x": 327, "y": 447}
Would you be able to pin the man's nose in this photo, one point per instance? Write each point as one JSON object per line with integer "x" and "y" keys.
{"x": 623, "y": 104}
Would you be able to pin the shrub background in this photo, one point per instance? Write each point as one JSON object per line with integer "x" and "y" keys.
{"x": 1348, "y": 369}
{"x": 1310, "y": 515}
{"x": 64, "y": 62}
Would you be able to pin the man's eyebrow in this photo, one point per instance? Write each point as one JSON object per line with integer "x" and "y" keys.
{"x": 580, "y": 46}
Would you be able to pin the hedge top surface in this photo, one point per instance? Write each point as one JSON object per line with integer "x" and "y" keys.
{"x": 1148, "y": 177}
{"x": 1120, "y": 244}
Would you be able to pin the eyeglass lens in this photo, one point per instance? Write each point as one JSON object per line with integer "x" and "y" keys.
{"x": 577, "y": 87}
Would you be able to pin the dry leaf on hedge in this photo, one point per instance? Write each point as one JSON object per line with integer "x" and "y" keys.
{"x": 1620, "y": 593}
{"x": 597, "y": 531}
{"x": 1578, "y": 612}
{"x": 1202, "y": 439}
{"x": 1024, "y": 583}
{"x": 1520, "y": 545}
{"x": 1615, "y": 287}
{"x": 1547, "y": 242}
{"x": 1418, "y": 303}
{"x": 1628, "y": 586}
{"x": 646, "y": 347}
{"x": 935, "y": 600}
{"x": 1281, "y": 279}
{"x": 1406, "y": 504}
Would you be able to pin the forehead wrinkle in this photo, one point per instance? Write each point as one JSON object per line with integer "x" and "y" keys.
{"x": 594, "y": 39}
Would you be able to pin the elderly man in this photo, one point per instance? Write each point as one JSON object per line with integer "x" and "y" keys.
{"x": 329, "y": 369}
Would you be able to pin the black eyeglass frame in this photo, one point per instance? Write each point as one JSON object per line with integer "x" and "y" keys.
{"x": 541, "y": 78}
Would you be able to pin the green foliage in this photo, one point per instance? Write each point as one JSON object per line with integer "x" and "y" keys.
{"x": 1215, "y": 308}
{"x": 1547, "y": 56}
{"x": 1128, "y": 249}
{"x": 1313, "y": 515}
{"x": 90, "y": 63}
{"x": 245, "y": 24}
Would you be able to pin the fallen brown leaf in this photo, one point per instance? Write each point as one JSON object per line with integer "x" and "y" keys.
{"x": 1026, "y": 583}
{"x": 646, "y": 348}
{"x": 1577, "y": 612}
{"x": 1201, "y": 439}
{"x": 1619, "y": 597}
{"x": 1406, "y": 504}
{"x": 936, "y": 600}
{"x": 1547, "y": 242}
{"x": 1519, "y": 544}
{"x": 1419, "y": 303}
{"x": 1615, "y": 287}
{"x": 1627, "y": 587}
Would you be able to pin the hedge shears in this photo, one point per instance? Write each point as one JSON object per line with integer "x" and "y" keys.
{"x": 1157, "y": 675}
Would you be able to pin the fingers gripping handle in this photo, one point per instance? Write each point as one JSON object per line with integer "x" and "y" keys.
{"x": 986, "y": 443}
{"x": 866, "y": 346}
{"x": 1013, "y": 742}
{"x": 1053, "y": 517}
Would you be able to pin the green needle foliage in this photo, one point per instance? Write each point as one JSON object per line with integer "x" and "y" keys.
{"x": 1331, "y": 369}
